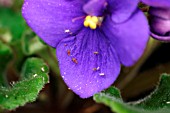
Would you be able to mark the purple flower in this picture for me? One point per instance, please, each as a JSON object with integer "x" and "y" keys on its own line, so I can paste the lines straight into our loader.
{"x": 92, "y": 38}
{"x": 159, "y": 19}
{"x": 160, "y": 23}
{"x": 157, "y": 3}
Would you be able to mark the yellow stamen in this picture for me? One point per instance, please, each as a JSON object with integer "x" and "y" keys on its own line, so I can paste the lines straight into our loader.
{"x": 86, "y": 23}
{"x": 91, "y": 21}
{"x": 93, "y": 25}
{"x": 94, "y": 19}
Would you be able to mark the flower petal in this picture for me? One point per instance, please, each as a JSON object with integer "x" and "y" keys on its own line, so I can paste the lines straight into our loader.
{"x": 161, "y": 38}
{"x": 157, "y": 3}
{"x": 53, "y": 20}
{"x": 160, "y": 23}
{"x": 163, "y": 13}
{"x": 95, "y": 7}
{"x": 122, "y": 9}
{"x": 129, "y": 38}
{"x": 88, "y": 62}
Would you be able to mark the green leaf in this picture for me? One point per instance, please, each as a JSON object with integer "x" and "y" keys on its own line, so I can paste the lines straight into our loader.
{"x": 13, "y": 21}
{"x": 31, "y": 44}
{"x": 156, "y": 102}
{"x": 160, "y": 97}
{"x": 34, "y": 77}
{"x": 5, "y": 58}
{"x": 35, "y": 67}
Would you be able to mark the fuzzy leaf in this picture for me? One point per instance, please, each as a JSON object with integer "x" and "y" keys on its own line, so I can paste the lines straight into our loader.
{"x": 156, "y": 102}
{"x": 34, "y": 77}
{"x": 13, "y": 21}
{"x": 31, "y": 44}
{"x": 5, "y": 58}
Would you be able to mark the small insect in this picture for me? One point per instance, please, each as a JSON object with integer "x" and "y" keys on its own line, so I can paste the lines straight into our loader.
{"x": 75, "y": 60}
{"x": 96, "y": 52}
{"x": 68, "y": 52}
{"x": 94, "y": 69}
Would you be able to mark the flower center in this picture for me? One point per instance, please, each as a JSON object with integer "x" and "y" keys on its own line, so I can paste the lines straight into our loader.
{"x": 92, "y": 21}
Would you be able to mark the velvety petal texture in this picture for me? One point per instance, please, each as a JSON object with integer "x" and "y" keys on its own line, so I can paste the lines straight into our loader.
{"x": 129, "y": 38}
{"x": 163, "y": 13}
{"x": 157, "y": 3}
{"x": 160, "y": 23}
{"x": 121, "y": 10}
{"x": 53, "y": 20}
{"x": 88, "y": 62}
{"x": 89, "y": 49}
{"x": 95, "y": 7}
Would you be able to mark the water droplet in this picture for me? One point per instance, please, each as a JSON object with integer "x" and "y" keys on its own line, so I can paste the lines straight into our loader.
{"x": 42, "y": 69}
{"x": 64, "y": 73}
{"x": 168, "y": 102}
{"x": 67, "y": 31}
{"x": 12, "y": 83}
{"x": 101, "y": 74}
{"x": 6, "y": 96}
{"x": 34, "y": 75}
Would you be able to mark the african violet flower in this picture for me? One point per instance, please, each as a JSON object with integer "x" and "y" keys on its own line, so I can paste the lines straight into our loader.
{"x": 92, "y": 38}
{"x": 159, "y": 19}
{"x": 157, "y": 3}
{"x": 160, "y": 23}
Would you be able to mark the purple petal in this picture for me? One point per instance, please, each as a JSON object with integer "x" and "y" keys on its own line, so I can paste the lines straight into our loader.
{"x": 162, "y": 38}
{"x": 129, "y": 38}
{"x": 122, "y": 9}
{"x": 53, "y": 20}
{"x": 160, "y": 23}
{"x": 95, "y": 7}
{"x": 88, "y": 62}
{"x": 157, "y": 3}
{"x": 163, "y": 13}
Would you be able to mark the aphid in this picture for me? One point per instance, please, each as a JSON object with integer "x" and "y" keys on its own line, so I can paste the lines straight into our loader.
{"x": 68, "y": 52}
{"x": 94, "y": 69}
{"x": 74, "y": 60}
{"x": 96, "y": 52}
